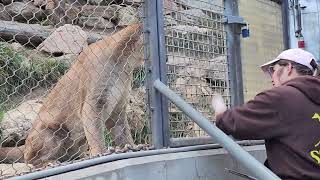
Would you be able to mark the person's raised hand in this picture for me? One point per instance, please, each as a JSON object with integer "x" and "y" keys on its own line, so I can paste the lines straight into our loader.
{"x": 218, "y": 104}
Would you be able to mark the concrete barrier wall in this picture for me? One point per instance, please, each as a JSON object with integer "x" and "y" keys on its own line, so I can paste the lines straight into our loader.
{"x": 194, "y": 165}
{"x": 264, "y": 44}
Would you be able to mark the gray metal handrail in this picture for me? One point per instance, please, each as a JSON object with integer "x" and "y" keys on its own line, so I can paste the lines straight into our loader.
{"x": 253, "y": 165}
{"x": 116, "y": 157}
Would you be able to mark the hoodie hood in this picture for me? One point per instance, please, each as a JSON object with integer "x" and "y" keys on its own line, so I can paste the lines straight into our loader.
{"x": 308, "y": 85}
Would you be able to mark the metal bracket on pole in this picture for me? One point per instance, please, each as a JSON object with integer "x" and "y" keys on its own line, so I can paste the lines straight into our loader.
{"x": 237, "y": 21}
{"x": 234, "y": 20}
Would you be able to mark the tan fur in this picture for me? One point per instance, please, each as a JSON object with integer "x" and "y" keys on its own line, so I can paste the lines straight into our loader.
{"x": 92, "y": 95}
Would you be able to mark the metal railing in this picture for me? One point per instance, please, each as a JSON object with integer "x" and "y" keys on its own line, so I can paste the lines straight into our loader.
{"x": 253, "y": 165}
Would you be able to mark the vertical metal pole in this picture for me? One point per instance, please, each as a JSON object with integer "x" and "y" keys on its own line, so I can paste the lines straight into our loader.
{"x": 163, "y": 73}
{"x": 234, "y": 54}
{"x": 285, "y": 23}
{"x": 156, "y": 69}
{"x": 297, "y": 8}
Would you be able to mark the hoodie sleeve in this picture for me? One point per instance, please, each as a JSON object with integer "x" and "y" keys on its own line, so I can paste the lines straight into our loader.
{"x": 257, "y": 119}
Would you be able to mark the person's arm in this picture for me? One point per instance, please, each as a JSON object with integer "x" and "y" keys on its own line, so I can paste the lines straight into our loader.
{"x": 257, "y": 119}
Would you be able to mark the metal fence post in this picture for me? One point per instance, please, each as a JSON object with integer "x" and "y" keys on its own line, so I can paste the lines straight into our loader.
{"x": 285, "y": 23}
{"x": 234, "y": 54}
{"x": 156, "y": 69}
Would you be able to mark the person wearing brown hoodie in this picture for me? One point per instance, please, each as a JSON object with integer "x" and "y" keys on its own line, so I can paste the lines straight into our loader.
{"x": 287, "y": 116}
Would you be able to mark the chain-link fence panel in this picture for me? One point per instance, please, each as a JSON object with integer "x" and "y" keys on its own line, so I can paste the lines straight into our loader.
{"x": 71, "y": 82}
{"x": 197, "y": 65}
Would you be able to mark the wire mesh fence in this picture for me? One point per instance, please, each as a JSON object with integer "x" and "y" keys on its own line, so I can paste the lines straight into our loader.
{"x": 72, "y": 77}
{"x": 71, "y": 82}
{"x": 196, "y": 59}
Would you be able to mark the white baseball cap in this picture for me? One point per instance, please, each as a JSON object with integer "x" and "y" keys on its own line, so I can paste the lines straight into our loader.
{"x": 297, "y": 55}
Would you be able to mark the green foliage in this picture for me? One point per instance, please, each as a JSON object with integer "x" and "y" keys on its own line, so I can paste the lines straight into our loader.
{"x": 108, "y": 138}
{"x": 142, "y": 136}
{"x": 1, "y": 116}
{"x": 12, "y": 71}
{"x": 19, "y": 73}
{"x": 139, "y": 76}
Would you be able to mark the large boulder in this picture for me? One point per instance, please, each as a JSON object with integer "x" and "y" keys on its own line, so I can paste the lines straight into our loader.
{"x": 17, "y": 122}
{"x": 96, "y": 23}
{"x": 107, "y": 12}
{"x": 23, "y": 12}
{"x": 9, "y": 170}
{"x": 128, "y": 15}
{"x": 71, "y": 15}
{"x": 4, "y": 15}
{"x": 101, "y": 2}
{"x": 133, "y": 1}
{"x": 67, "y": 39}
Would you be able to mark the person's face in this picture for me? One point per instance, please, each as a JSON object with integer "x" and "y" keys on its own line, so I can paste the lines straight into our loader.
{"x": 279, "y": 73}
